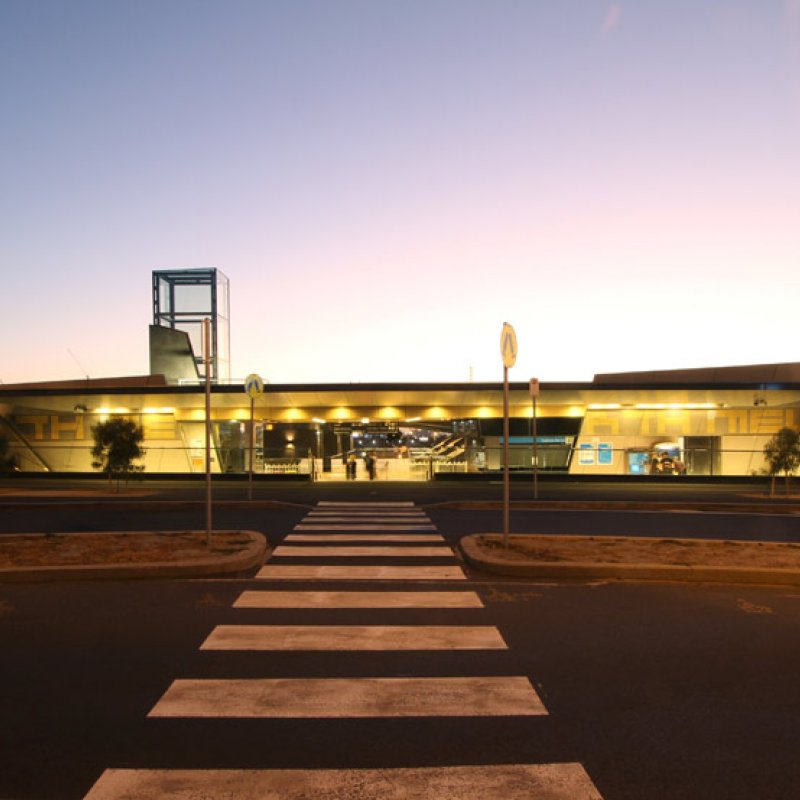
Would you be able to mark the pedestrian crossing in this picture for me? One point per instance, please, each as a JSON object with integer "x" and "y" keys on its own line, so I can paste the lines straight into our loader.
{"x": 353, "y": 637}
{"x": 332, "y": 560}
{"x": 487, "y": 782}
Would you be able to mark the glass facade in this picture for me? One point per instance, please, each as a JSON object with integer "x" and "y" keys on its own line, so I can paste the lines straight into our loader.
{"x": 183, "y": 300}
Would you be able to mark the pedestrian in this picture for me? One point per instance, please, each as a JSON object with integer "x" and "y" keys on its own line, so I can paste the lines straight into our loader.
{"x": 352, "y": 466}
{"x": 370, "y": 461}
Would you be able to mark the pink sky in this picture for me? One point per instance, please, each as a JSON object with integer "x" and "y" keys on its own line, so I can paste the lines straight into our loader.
{"x": 386, "y": 183}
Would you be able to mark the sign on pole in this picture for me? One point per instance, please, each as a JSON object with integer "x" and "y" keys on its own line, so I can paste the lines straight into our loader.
{"x": 534, "y": 387}
{"x": 508, "y": 346}
{"x": 253, "y": 386}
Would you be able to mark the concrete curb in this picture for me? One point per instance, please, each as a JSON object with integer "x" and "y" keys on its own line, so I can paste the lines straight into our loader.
{"x": 253, "y": 555}
{"x": 131, "y": 504}
{"x": 743, "y": 507}
{"x": 625, "y": 572}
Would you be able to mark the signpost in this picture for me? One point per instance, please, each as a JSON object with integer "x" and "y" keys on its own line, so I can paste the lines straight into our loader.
{"x": 207, "y": 368}
{"x": 253, "y": 387}
{"x": 508, "y": 350}
{"x": 534, "y": 390}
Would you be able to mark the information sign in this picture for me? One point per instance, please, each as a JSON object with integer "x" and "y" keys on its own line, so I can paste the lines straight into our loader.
{"x": 253, "y": 385}
{"x": 508, "y": 345}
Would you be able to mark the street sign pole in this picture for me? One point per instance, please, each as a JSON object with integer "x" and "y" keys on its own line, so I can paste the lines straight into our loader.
{"x": 253, "y": 387}
{"x": 506, "y": 474}
{"x": 508, "y": 350}
{"x": 535, "y": 455}
{"x": 534, "y": 389}
{"x": 207, "y": 367}
{"x": 252, "y": 447}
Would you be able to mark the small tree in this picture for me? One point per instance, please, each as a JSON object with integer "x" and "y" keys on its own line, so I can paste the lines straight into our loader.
{"x": 116, "y": 446}
{"x": 8, "y": 461}
{"x": 782, "y": 452}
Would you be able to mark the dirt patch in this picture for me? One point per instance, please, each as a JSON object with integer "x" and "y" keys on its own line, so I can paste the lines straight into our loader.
{"x": 538, "y": 549}
{"x": 58, "y": 550}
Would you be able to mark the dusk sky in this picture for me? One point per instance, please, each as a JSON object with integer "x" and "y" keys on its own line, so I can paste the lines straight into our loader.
{"x": 385, "y": 183}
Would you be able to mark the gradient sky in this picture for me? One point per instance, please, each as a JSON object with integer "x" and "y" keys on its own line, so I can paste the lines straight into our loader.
{"x": 385, "y": 183}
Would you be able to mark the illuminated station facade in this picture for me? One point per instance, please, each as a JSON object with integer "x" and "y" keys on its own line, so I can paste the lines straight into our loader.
{"x": 695, "y": 422}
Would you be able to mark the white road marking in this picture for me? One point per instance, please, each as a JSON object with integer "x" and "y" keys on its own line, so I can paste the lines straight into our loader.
{"x": 354, "y": 512}
{"x": 364, "y": 537}
{"x": 354, "y": 637}
{"x": 340, "y": 551}
{"x": 366, "y": 504}
{"x": 350, "y": 697}
{"x": 507, "y": 781}
{"x": 292, "y": 599}
{"x": 362, "y": 519}
{"x": 362, "y": 526}
{"x": 356, "y": 573}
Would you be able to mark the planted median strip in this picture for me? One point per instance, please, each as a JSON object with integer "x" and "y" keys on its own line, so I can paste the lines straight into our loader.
{"x": 630, "y": 558}
{"x": 41, "y": 556}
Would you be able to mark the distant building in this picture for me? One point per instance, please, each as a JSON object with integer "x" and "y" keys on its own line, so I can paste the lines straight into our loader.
{"x": 682, "y": 422}
{"x": 702, "y": 422}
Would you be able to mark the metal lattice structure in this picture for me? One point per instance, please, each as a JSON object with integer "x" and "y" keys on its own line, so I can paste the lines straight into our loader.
{"x": 183, "y": 298}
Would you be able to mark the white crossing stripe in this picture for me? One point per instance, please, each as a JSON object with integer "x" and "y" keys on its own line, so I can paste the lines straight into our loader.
{"x": 340, "y": 551}
{"x": 358, "y": 573}
{"x": 383, "y": 510}
{"x": 366, "y": 504}
{"x": 508, "y": 781}
{"x": 567, "y": 781}
{"x": 364, "y": 537}
{"x": 364, "y": 518}
{"x": 354, "y": 637}
{"x": 362, "y": 526}
{"x": 294, "y": 599}
{"x": 350, "y": 697}
{"x": 354, "y": 512}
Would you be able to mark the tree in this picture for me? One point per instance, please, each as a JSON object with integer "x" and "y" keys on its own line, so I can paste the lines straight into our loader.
{"x": 116, "y": 446}
{"x": 782, "y": 452}
{"x": 8, "y": 461}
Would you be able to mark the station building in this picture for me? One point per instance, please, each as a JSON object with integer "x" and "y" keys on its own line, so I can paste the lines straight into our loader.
{"x": 704, "y": 422}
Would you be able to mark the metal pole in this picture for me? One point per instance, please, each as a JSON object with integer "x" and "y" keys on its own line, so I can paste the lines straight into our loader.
{"x": 535, "y": 455}
{"x": 207, "y": 367}
{"x": 506, "y": 479}
{"x": 252, "y": 445}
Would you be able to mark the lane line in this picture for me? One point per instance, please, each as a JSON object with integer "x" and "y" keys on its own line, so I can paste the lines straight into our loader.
{"x": 357, "y": 573}
{"x": 567, "y": 781}
{"x": 341, "y": 551}
{"x": 354, "y": 637}
{"x": 310, "y": 599}
{"x": 350, "y": 697}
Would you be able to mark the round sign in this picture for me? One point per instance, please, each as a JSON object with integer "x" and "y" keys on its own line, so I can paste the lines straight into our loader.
{"x": 253, "y": 385}
{"x": 508, "y": 345}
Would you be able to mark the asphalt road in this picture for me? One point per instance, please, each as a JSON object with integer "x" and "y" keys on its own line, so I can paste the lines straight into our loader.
{"x": 657, "y": 690}
{"x": 275, "y": 522}
{"x": 660, "y": 691}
